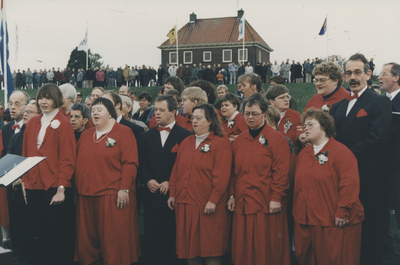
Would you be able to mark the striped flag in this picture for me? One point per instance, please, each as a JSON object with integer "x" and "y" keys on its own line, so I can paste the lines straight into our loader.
{"x": 324, "y": 27}
{"x": 4, "y": 57}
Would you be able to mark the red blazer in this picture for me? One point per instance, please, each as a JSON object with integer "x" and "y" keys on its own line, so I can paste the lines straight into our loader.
{"x": 294, "y": 118}
{"x": 104, "y": 170}
{"x": 199, "y": 177}
{"x": 322, "y": 192}
{"x": 260, "y": 172}
{"x": 238, "y": 127}
{"x": 64, "y": 113}
{"x": 59, "y": 148}
{"x": 317, "y": 101}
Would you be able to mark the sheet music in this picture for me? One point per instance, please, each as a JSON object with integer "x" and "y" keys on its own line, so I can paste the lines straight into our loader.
{"x": 20, "y": 170}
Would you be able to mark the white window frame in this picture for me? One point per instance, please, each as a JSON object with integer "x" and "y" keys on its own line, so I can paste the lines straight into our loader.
{"x": 170, "y": 55}
{"x": 245, "y": 55}
{"x": 184, "y": 57}
{"x": 223, "y": 56}
{"x": 204, "y": 56}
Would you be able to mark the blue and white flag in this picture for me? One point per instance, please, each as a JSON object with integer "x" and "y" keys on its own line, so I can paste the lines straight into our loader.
{"x": 4, "y": 35}
{"x": 241, "y": 28}
{"x": 83, "y": 45}
{"x": 324, "y": 27}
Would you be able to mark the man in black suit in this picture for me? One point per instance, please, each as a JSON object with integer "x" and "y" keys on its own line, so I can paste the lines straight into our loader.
{"x": 17, "y": 209}
{"x": 389, "y": 79}
{"x": 157, "y": 153}
{"x": 117, "y": 101}
{"x": 363, "y": 122}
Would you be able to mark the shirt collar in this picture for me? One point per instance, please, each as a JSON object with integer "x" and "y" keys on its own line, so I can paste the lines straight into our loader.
{"x": 233, "y": 116}
{"x": 394, "y": 93}
{"x": 119, "y": 118}
{"x": 359, "y": 93}
{"x": 331, "y": 94}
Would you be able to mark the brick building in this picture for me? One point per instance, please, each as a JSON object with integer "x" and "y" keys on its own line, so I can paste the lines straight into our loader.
{"x": 213, "y": 41}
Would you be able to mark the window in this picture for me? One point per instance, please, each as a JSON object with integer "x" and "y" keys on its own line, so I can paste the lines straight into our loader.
{"x": 206, "y": 56}
{"x": 187, "y": 57}
{"x": 226, "y": 56}
{"x": 172, "y": 58}
{"x": 240, "y": 55}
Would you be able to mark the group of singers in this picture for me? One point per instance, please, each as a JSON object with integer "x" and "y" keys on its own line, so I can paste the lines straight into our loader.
{"x": 210, "y": 181}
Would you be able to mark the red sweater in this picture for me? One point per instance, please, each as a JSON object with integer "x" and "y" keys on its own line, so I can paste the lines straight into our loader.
{"x": 238, "y": 127}
{"x": 104, "y": 170}
{"x": 323, "y": 192}
{"x": 292, "y": 119}
{"x": 317, "y": 101}
{"x": 199, "y": 177}
{"x": 260, "y": 172}
{"x": 59, "y": 148}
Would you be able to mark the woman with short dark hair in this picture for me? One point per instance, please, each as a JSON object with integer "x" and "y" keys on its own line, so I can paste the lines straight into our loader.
{"x": 258, "y": 190}
{"x": 233, "y": 122}
{"x": 48, "y": 186}
{"x": 198, "y": 190}
{"x": 107, "y": 224}
{"x": 326, "y": 208}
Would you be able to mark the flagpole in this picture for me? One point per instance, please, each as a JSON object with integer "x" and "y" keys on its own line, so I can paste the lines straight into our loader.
{"x": 5, "y": 74}
{"x": 327, "y": 38}
{"x": 177, "y": 52}
{"x": 87, "y": 46}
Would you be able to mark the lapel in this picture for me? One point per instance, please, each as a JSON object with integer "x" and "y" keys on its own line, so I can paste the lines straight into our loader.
{"x": 169, "y": 143}
{"x": 348, "y": 121}
{"x": 396, "y": 103}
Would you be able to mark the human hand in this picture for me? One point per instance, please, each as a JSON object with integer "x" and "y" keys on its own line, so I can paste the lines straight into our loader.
{"x": 340, "y": 222}
{"x": 303, "y": 140}
{"x": 210, "y": 208}
{"x": 24, "y": 193}
{"x": 233, "y": 137}
{"x": 58, "y": 198}
{"x": 16, "y": 184}
{"x": 122, "y": 199}
{"x": 164, "y": 187}
{"x": 153, "y": 185}
{"x": 231, "y": 204}
{"x": 275, "y": 207}
{"x": 171, "y": 203}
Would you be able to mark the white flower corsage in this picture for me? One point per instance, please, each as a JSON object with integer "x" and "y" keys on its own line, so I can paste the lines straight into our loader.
{"x": 287, "y": 125}
{"x": 263, "y": 140}
{"x": 323, "y": 157}
{"x": 325, "y": 107}
{"x": 205, "y": 148}
{"x": 110, "y": 142}
{"x": 55, "y": 124}
{"x": 232, "y": 124}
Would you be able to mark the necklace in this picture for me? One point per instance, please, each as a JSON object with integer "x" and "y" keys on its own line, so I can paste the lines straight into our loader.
{"x": 101, "y": 138}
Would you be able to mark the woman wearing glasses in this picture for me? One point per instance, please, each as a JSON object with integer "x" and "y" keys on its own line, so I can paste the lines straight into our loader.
{"x": 199, "y": 190}
{"x": 326, "y": 207}
{"x": 328, "y": 80}
{"x": 258, "y": 190}
{"x": 289, "y": 124}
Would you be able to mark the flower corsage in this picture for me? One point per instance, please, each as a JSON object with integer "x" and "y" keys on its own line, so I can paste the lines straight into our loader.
{"x": 263, "y": 140}
{"x": 287, "y": 125}
{"x": 110, "y": 142}
{"x": 325, "y": 107}
{"x": 231, "y": 125}
{"x": 205, "y": 148}
{"x": 323, "y": 157}
{"x": 55, "y": 124}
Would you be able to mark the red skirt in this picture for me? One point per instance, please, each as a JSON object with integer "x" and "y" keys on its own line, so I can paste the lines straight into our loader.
{"x": 260, "y": 238}
{"x": 200, "y": 234}
{"x": 327, "y": 245}
{"x": 4, "y": 220}
{"x": 105, "y": 231}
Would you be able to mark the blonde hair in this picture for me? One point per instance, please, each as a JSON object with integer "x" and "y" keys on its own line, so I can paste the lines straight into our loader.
{"x": 195, "y": 93}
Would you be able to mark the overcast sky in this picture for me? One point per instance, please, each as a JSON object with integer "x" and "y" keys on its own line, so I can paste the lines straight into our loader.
{"x": 129, "y": 31}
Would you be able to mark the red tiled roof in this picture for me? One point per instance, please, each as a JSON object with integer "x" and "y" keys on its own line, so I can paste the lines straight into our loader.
{"x": 214, "y": 31}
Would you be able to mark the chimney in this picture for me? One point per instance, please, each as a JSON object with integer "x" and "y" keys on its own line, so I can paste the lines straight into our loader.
{"x": 193, "y": 18}
{"x": 240, "y": 13}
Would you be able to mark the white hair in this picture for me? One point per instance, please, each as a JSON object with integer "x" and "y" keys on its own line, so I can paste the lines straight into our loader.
{"x": 69, "y": 91}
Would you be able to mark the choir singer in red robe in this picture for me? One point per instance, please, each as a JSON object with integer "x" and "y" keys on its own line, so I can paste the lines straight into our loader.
{"x": 199, "y": 190}
{"x": 107, "y": 223}
{"x": 326, "y": 208}
{"x": 258, "y": 190}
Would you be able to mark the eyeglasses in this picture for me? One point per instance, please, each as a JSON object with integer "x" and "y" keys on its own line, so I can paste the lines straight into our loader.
{"x": 29, "y": 112}
{"x": 322, "y": 81}
{"x": 308, "y": 125}
{"x": 254, "y": 114}
{"x": 385, "y": 74}
{"x": 196, "y": 118}
{"x": 16, "y": 104}
{"x": 357, "y": 72}
{"x": 283, "y": 97}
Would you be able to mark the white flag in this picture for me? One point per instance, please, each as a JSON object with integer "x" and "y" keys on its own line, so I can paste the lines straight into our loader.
{"x": 241, "y": 28}
{"x": 83, "y": 45}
